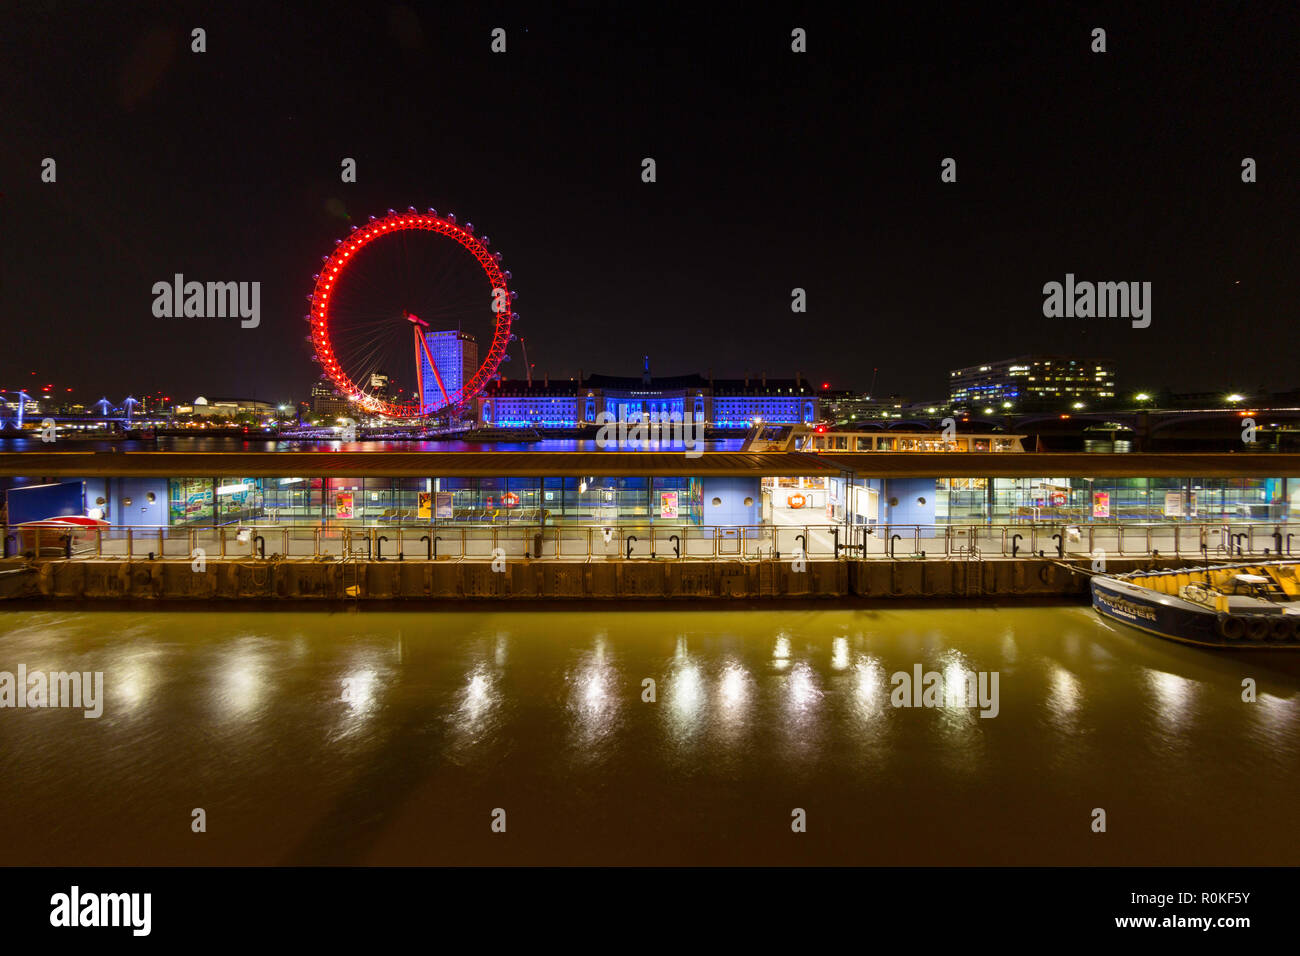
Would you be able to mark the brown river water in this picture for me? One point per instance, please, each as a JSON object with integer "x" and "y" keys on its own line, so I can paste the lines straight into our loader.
{"x": 376, "y": 736}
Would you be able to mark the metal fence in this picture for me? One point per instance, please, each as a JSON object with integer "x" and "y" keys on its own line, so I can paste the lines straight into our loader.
{"x": 661, "y": 541}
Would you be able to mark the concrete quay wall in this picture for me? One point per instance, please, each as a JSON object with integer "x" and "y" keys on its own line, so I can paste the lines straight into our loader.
{"x": 547, "y": 580}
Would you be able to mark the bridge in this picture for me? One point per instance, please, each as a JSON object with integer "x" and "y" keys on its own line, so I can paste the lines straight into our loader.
{"x": 109, "y": 414}
{"x": 1144, "y": 424}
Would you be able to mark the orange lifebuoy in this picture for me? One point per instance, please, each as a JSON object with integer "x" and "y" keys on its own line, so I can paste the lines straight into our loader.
{"x": 796, "y": 501}
{"x": 509, "y": 499}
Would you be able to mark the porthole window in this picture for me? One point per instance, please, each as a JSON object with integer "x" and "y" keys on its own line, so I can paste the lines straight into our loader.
{"x": 920, "y": 501}
{"x": 126, "y": 502}
{"x": 749, "y": 502}
{"x": 893, "y": 502}
{"x": 99, "y": 501}
{"x": 151, "y": 497}
{"x": 716, "y": 502}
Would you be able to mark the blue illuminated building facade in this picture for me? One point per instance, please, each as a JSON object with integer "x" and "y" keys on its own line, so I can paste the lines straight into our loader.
{"x": 456, "y": 354}
{"x": 720, "y": 403}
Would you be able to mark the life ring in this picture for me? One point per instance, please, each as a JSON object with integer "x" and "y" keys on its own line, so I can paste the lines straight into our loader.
{"x": 796, "y": 501}
{"x": 509, "y": 499}
{"x": 1258, "y": 629}
{"x": 1230, "y": 627}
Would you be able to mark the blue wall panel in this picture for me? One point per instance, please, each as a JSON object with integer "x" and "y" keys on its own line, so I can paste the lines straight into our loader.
{"x": 732, "y": 492}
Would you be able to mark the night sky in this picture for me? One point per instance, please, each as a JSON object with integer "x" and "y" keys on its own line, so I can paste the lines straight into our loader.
{"x": 775, "y": 170}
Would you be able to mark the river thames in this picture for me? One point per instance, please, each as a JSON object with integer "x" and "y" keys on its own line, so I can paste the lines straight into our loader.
{"x": 311, "y": 736}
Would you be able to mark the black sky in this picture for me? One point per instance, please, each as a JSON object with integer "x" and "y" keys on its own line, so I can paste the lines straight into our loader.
{"x": 775, "y": 170}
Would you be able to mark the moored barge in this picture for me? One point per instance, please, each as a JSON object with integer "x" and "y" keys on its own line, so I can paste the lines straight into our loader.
{"x": 1234, "y": 605}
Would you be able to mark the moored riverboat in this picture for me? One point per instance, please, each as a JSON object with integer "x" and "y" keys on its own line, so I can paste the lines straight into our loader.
{"x": 1253, "y": 605}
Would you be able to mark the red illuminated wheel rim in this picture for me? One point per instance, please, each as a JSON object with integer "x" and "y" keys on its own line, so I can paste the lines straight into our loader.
{"x": 333, "y": 278}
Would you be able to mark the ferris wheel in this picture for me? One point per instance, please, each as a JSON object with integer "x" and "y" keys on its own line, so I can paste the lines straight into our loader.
{"x": 411, "y": 314}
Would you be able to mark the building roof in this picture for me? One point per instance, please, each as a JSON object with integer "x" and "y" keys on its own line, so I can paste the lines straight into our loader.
{"x": 492, "y": 464}
{"x": 488, "y": 464}
{"x": 786, "y": 387}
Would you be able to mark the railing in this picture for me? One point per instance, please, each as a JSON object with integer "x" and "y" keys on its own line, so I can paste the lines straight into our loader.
{"x": 1217, "y": 541}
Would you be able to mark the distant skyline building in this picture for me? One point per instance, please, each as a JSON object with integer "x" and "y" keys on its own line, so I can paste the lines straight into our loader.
{"x": 456, "y": 355}
{"x": 854, "y": 408}
{"x": 327, "y": 403}
{"x": 1032, "y": 379}
{"x": 381, "y": 386}
{"x": 203, "y": 407}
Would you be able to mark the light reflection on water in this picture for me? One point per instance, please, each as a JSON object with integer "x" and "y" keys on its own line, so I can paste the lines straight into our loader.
{"x": 377, "y": 736}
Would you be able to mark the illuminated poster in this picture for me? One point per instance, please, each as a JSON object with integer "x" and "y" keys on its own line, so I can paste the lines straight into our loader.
{"x": 191, "y": 500}
{"x": 426, "y": 505}
{"x": 1173, "y": 504}
{"x": 443, "y": 505}
{"x": 668, "y": 504}
{"x": 343, "y": 504}
{"x": 1101, "y": 504}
